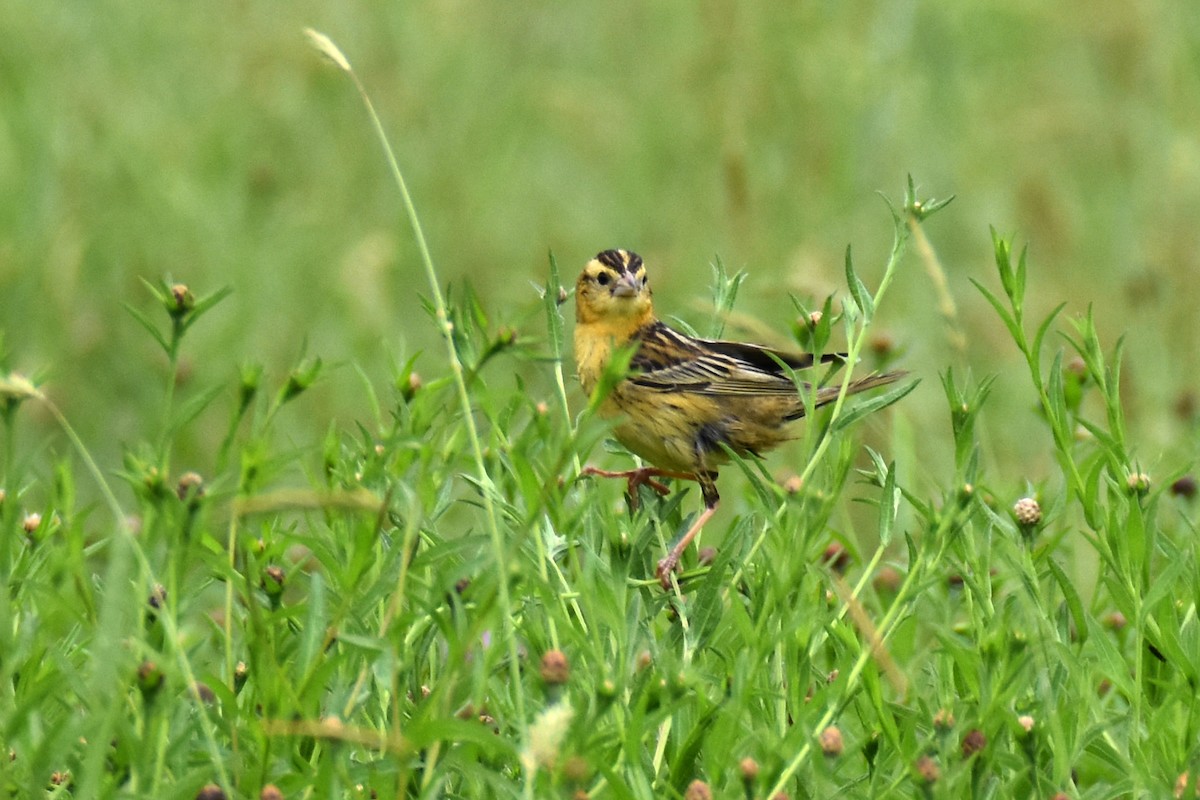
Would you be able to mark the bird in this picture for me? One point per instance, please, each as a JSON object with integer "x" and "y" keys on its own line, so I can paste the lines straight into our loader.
{"x": 683, "y": 400}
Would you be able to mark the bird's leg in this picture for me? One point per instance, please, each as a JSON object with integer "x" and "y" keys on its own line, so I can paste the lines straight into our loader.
{"x": 669, "y": 564}
{"x": 637, "y": 477}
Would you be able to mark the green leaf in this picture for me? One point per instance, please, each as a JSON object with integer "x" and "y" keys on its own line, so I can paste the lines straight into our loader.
{"x": 724, "y": 291}
{"x": 889, "y": 504}
{"x": 1035, "y": 351}
{"x": 683, "y": 768}
{"x": 862, "y": 298}
{"x": 149, "y": 326}
{"x": 193, "y": 407}
{"x": 870, "y": 406}
{"x": 1111, "y": 663}
{"x": 1056, "y": 398}
{"x": 315, "y": 625}
{"x": 554, "y": 319}
{"x": 206, "y": 304}
{"x": 1003, "y": 255}
{"x": 1014, "y": 330}
{"x": 1074, "y": 604}
{"x": 760, "y": 488}
{"x": 1019, "y": 283}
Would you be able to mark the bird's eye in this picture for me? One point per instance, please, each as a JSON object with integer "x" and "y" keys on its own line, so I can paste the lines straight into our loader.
{"x": 603, "y": 279}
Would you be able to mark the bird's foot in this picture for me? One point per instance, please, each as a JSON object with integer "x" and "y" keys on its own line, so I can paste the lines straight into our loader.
{"x": 638, "y": 477}
{"x": 666, "y": 567}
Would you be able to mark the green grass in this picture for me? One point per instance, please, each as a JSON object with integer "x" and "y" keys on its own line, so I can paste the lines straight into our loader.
{"x": 445, "y": 609}
{"x": 242, "y": 543}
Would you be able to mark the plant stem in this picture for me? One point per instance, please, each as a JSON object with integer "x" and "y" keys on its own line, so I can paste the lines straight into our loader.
{"x": 487, "y": 487}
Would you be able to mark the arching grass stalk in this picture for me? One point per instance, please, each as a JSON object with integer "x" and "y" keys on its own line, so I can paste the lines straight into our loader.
{"x": 326, "y": 46}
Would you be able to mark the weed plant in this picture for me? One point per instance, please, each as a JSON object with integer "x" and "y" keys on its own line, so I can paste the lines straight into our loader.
{"x": 444, "y": 609}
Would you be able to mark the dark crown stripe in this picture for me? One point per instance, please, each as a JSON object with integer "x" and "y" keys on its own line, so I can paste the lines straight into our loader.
{"x": 620, "y": 260}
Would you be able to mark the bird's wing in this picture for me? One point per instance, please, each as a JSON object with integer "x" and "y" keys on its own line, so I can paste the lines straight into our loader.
{"x": 667, "y": 360}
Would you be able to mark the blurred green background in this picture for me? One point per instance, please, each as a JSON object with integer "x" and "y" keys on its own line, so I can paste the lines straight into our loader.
{"x": 210, "y": 143}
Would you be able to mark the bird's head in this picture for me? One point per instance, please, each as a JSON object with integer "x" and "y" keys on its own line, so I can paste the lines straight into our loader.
{"x": 613, "y": 287}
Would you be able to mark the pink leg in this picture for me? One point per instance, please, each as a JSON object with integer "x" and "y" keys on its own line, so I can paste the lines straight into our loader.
{"x": 669, "y": 564}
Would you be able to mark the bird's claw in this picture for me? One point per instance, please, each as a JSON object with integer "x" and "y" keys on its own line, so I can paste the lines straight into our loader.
{"x": 639, "y": 477}
{"x": 665, "y": 569}
{"x": 635, "y": 478}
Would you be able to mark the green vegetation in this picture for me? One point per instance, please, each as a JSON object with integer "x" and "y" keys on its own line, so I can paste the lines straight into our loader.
{"x": 245, "y": 545}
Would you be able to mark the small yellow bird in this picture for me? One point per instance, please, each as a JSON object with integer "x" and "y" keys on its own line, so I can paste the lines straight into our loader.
{"x": 683, "y": 397}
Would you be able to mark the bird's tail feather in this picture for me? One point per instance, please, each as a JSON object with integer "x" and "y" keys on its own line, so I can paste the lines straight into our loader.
{"x": 827, "y": 394}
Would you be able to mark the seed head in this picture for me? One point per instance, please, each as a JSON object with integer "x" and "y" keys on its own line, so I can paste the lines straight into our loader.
{"x": 883, "y": 346}
{"x": 546, "y": 735}
{"x": 210, "y": 792}
{"x": 831, "y": 741}
{"x": 1185, "y": 406}
{"x": 943, "y": 720}
{"x": 1184, "y": 487}
{"x": 1138, "y": 483}
{"x": 836, "y": 557}
{"x": 814, "y": 319}
{"x": 190, "y": 488}
{"x": 555, "y": 668}
{"x": 576, "y": 769}
{"x": 887, "y": 579}
{"x": 149, "y": 679}
{"x": 1028, "y": 512}
{"x": 15, "y": 389}
{"x": 158, "y": 596}
{"x": 270, "y": 792}
{"x": 32, "y": 522}
{"x": 698, "y": 790}
{"x": 249, "y": 377}
{"x": 182, "y": 300}
{"x": 272, "y": 583}
{"x": 410, "y": 386}
{"x": 1026, "y": 723}
{"x": 749, "y": 769}
{"x": 928, "y": 769}
{"x": 300, "y": 379}
{"x": 973, "y": 742}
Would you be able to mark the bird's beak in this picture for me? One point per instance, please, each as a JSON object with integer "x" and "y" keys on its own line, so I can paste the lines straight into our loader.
{"x": 627, "y": 286}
